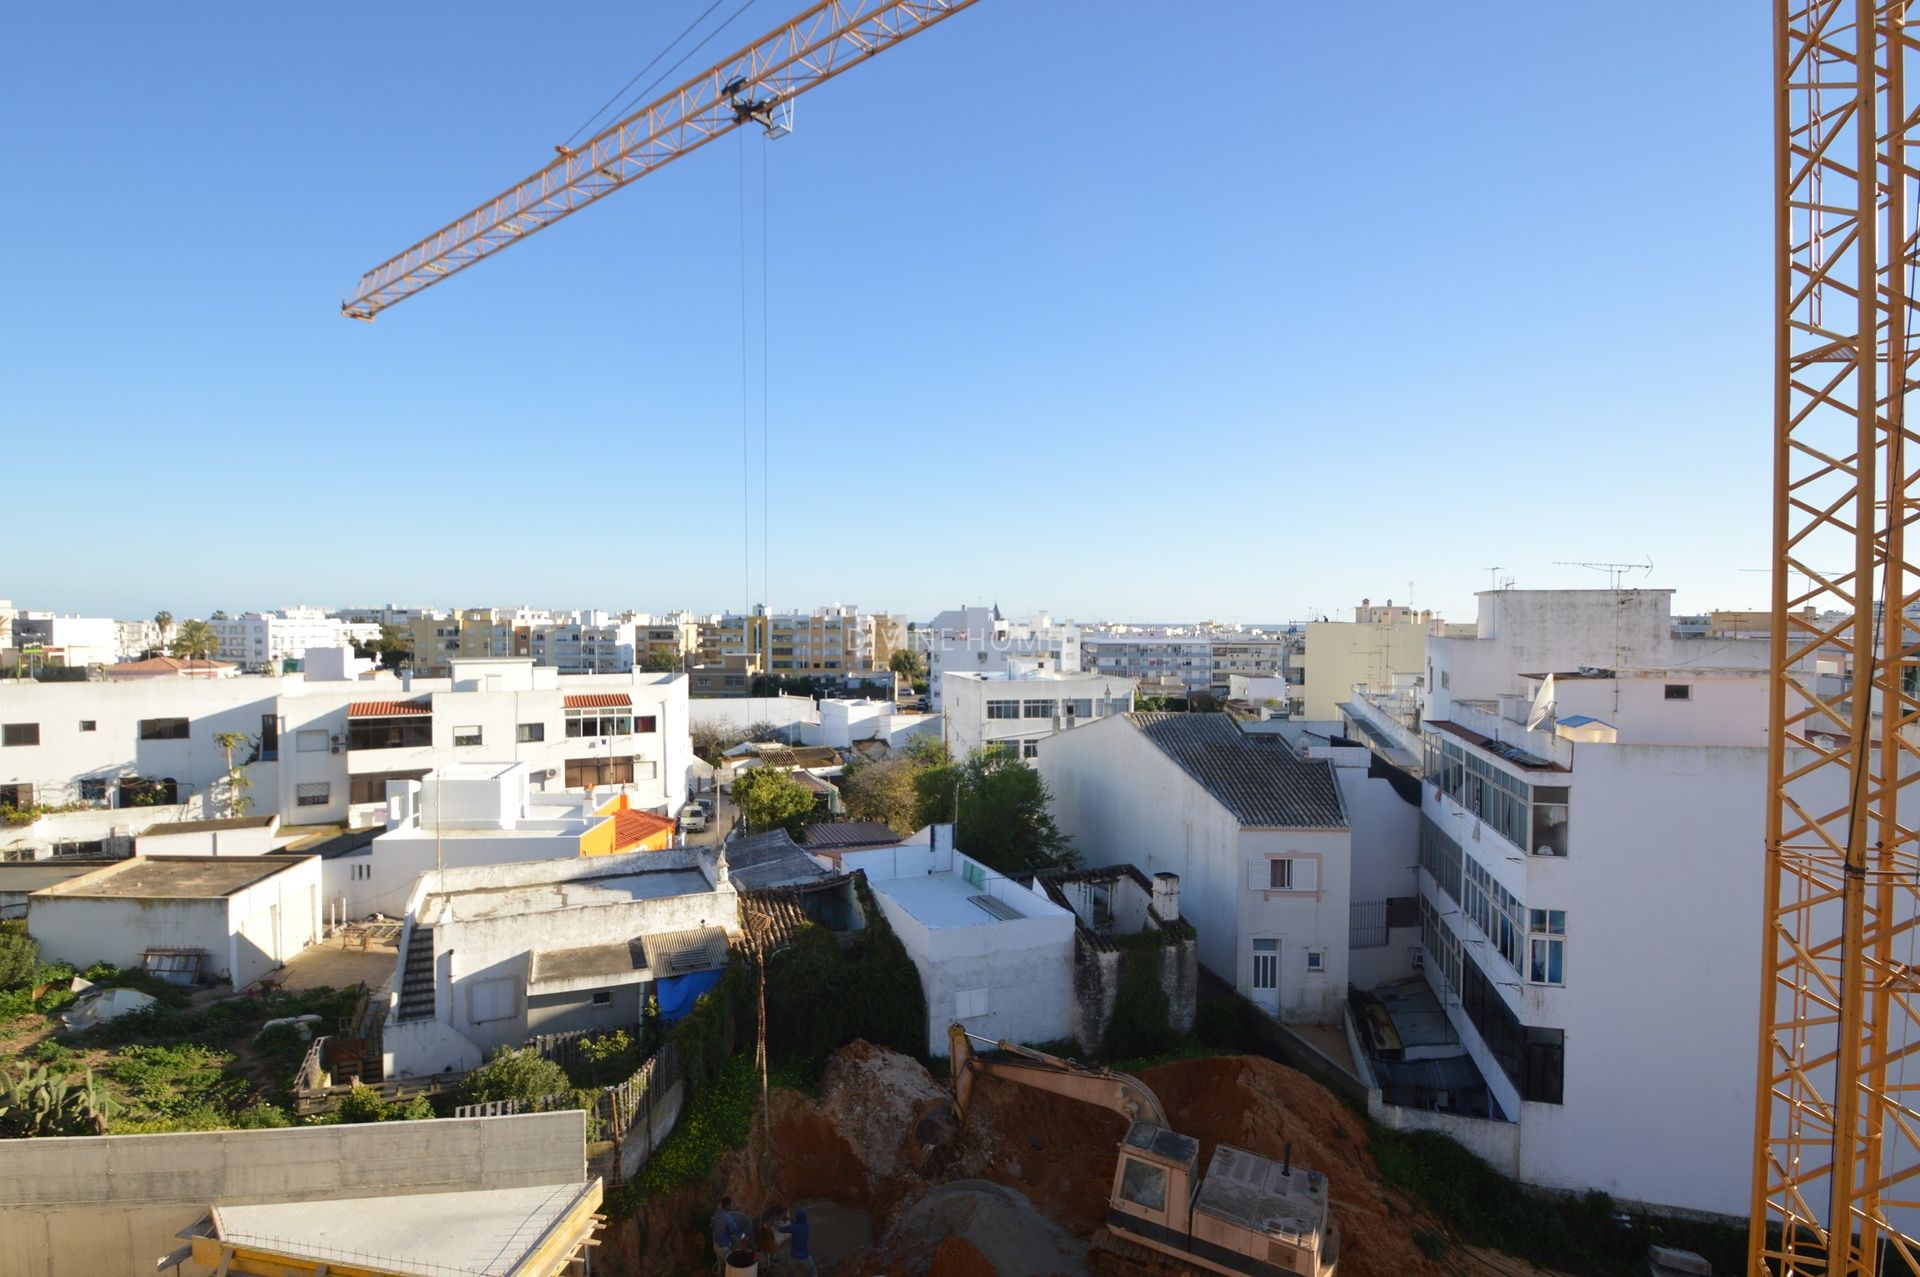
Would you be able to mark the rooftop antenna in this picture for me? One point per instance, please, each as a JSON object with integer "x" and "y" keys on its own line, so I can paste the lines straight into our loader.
{"x": 1614, "y": 571}
{"x": 1493, "y": 577}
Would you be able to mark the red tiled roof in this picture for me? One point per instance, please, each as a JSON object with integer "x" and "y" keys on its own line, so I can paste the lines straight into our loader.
{"x": 386, "y": 709}
{"x": 168, "y": 664}
{"x": 600, "y": 700}
{"x": 630, "y": 828}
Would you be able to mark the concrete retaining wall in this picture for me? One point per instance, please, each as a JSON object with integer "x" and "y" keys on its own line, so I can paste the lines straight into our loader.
{"x": 112, "y": 1204}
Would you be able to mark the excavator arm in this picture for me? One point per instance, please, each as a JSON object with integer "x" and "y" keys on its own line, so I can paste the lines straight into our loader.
{"x": 1124, "y": 1094}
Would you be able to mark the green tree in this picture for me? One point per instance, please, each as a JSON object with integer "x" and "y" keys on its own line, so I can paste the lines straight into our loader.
{"x": 523, "y": 1074}
{"x": 882, "y": 791}
{"x": 998, "y": 806}
{"x": 219, "y": 614}
{"x": 195, "y": 639}
{"x": 661, "y": 661}
{"x": 236, "y": 783}
{"x": 1144, "y": 704}
{"x": 163, "y": 619}
{"x": 772, "y": 799}
{"x": 910, "y": 663}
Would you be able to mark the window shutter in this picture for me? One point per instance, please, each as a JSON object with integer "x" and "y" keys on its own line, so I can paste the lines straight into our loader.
{"x": 1257, "y": 875}
{"x": 1306, "y": 874}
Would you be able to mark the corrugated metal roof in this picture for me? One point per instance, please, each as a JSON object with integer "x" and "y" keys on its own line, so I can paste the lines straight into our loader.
{"x": 848, "y": 833}
{"x": 599, "y": 700}
{"x": 1257, "y": 778}
{"x": 671, "y": 953}
{"x": 387, "y": 709}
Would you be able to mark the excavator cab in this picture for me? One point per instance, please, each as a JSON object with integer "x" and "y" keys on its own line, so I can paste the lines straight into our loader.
{"x": 1153, "y": 1183}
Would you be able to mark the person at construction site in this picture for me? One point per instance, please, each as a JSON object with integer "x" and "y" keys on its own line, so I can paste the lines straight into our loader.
{"x": 730, "y": 1229}
{"x": 799, "y": 1233}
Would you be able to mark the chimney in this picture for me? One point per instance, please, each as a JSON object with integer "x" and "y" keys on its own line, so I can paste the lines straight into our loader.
{"x": 1166, "y": 896}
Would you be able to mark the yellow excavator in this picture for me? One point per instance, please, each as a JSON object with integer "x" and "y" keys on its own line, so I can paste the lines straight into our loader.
{"x": 1248, "y": 1214}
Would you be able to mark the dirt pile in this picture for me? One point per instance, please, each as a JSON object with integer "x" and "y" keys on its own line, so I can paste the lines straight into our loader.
{"x": 873, "y": 1097}
{"x": 958, "y": 1257}
{"x": 998, "y": 1224}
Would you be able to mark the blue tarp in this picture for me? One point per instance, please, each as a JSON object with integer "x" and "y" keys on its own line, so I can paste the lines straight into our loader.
{"x": 678, "y": 993}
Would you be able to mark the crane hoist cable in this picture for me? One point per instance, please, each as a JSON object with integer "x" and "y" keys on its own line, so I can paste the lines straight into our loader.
{"x": 655, "y": 61}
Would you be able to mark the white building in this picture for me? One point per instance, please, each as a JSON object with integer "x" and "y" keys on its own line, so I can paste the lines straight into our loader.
{"x": 244, "y": 915}
{"x": 979, "y": 640}
{"x": 1021, "y": 706}
{"x": 1591, "y": 891}
{"x": 1379, "y": 644}
{"x": 459, "y": 816}
{"x": 992, "y": 955}
{"x": 491, "y": 954}
{"x": 265, "y": 640}
{"x": 1259, "y": 837}
{"x": 78, "y": 640}
{"x": 321, "y": 749}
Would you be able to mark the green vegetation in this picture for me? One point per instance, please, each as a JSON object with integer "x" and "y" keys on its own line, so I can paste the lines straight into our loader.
{"x": 887, "y": 791}
{"x": 234, "y": 798}
{"x": 608, "y": 1059}
{"x": 718, "y": 1120}
{"x": 1141, "y": 1021}
{"x": 912, "y": 665}
{"x": 876, "y": 996}
{"x": 363, "y": 1104}
{"x": 661, "y": 661}
{"x": 514, "y": 1074}
{"x": 772, "y": 799}
{"x": 998, "y": 806}
{"x": 1587, "y": 1233}
{"x": 39, "y": 1102}
{"x": 193, "y": 640}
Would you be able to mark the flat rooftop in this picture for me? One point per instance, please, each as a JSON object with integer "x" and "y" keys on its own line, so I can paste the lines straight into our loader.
{"x": 173, "y": 878}
{"x": 944, "y": 900}
{"x": 32, "y": 875}
{"x": 576, "y": 893}
{"x": 206, "y": 826}
{"x": 483, "y": 1233}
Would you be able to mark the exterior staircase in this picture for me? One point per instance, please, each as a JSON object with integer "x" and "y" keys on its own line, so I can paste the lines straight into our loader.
{"x": 416, "y": 976}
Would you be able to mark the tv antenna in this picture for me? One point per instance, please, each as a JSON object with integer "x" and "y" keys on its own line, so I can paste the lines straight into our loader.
{"x": 1615, "y": 571}
{"x": 1497, "y": 582}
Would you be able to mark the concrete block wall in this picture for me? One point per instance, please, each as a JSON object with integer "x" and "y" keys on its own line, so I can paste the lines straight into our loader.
{"x": 112, "y": 1204}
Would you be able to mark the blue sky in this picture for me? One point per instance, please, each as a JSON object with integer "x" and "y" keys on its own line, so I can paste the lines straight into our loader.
{"x": 1118, "y": 309}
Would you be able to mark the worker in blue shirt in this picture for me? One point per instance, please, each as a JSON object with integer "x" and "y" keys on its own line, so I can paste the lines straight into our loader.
{"x": 799, "y": 1232}
{"x": 730, "y": 1229}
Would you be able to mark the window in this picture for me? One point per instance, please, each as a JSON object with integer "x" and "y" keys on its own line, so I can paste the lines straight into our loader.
{"x": 1316, "y": 961}
{"x": 1036, "y": 709}
{"x": 93, "y": 789}
{"x": 400, "y": 731}
{"x": 968, "y": 1003}
{"x": 1549, "y": 821}
{"x": 88, "y": 725}
{"x": 1003, "y": 709}
{"x": 1446, "y": 678}
{"x": 361, "y": 873}
{"x": 529, "y": 733}
{"x": 269, "y": 747}
{"x": 1080, "y": 709}
{"x": 1547, "y": 946}
{"x": 643, "y": 724}
{"x": 1284, "y": 873}
{"x": 312, "y": 794}
{"x": 1544, "y": 1081}
{"x": 18, "y": 797}
{"x": 163, "y": 729}
{"x": 466, "y": 736}
{"x": 600, "y": 722}
{"x": 603, "y": 998}
{"x": 582, "y": 772}
{"x": 20, "y": 734}
{"x": 310, "y": 742}
{"x": 1144, "y": 1184}
{"x": 1679, "y": 691}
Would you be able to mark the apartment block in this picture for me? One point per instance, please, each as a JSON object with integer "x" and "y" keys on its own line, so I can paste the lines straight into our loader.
{"x": 1020, "y": 707}
{"x": 979, "y": 640}
{"x": 266, "y": 640}
{"x": 828, "y": 642}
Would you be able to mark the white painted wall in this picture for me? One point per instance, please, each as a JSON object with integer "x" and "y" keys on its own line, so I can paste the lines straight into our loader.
{"x": 1385, "y": 860}
{"x": 1123, "y": 801}
{"x": 965, "y": 697}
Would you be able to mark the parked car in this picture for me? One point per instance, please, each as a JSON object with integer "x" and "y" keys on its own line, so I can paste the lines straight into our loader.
{"x": 693, "y": 818}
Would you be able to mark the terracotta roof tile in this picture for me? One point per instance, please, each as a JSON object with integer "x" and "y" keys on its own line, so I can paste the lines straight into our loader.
{"x": 600, "y": 700}
{"x": 630, "y": 828}
{"x": 387, "y": 709}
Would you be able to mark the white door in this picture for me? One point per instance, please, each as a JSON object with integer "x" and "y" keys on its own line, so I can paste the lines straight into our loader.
{"x": 1266, "y": 975}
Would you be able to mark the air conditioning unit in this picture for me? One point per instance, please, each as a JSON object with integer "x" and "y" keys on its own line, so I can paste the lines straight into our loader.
{"x": 550, "y": 773}
{"x": 335, "y": 747}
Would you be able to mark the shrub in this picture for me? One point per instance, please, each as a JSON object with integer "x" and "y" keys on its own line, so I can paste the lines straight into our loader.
{"x": 261, "y": 1116}
{"x": 19, "y": 955}
{"x": 1140, "y": 1022}
{"x": 362, "y": 1104}
{"x": 718, "y": 1120}
{"x": 514, "y": 1074}
{"x": 1216, "y": 1022}
{"x": 606, "y": 1059}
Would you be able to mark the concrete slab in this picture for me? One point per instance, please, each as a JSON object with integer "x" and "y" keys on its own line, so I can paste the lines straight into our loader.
{"x": 184, "y": 878}
{"x": 328, "y": 966}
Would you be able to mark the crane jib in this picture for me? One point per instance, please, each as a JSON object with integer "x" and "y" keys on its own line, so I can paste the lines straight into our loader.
{"x": 801, "y": 53}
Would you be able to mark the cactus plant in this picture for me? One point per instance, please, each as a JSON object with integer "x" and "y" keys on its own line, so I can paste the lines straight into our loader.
{"x": 40, "y": 1102}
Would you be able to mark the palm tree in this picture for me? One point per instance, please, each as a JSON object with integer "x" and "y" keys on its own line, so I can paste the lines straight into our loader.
{"x": 237, "y": 780}
{"x": 195, "y": 639}
{"x": 163, "y": 619}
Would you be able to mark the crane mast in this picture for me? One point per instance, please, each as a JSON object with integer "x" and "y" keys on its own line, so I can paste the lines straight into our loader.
{"x": 747, "y": 87}
{"x": 1836, "y": 1156}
